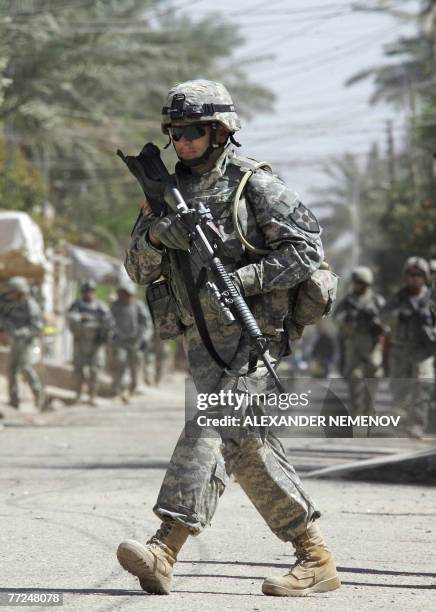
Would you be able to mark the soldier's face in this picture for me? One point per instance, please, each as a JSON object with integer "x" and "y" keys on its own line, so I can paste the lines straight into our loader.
{"x": 358, "y": 287}
{"x": 191, "y": 149}
{"x": 415, "y": 280}
{"x": 124, "y": 296}
{"x": 88, "y": 295}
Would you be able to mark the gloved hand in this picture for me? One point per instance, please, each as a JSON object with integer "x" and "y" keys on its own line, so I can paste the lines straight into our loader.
{"x": 171, "y": 232}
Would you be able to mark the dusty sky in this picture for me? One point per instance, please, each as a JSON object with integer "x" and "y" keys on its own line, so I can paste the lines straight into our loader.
{"x": 317, "y": 44}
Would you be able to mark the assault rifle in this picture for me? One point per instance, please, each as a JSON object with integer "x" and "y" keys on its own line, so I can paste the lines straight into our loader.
{"x": 159, "y": 187}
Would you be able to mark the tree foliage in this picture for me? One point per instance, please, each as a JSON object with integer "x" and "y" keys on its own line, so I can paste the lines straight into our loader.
{"x": 80, "y": 79}
{"x": 396, "y": 194}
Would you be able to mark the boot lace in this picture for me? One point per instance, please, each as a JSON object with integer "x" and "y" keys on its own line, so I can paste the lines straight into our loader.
{"x": 301, "y": 555}
{"x": 162, "y": 533}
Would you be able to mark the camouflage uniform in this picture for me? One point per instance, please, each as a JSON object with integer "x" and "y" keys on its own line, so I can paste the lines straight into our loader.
{"x": 360, "y": 330}
{"x": 200, "y": 464}
{"x": 270, "y": 216}
{"x": 411, "y": 356}
{"x": 90, "y": 323}
{"x": 22, "y": 320}
{"x": 132, "y": 329}
{"x": 432, "y": 416}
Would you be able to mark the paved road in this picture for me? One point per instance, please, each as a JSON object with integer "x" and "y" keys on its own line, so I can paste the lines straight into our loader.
{"x": 76, "y": 482}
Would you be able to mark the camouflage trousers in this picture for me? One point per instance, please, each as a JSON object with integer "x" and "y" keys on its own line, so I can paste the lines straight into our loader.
{"x": 20, "y": 361}
{"x": 362, "y": 370}
{"x": 204, "y": 458}
{"x": 86, "y": 367}
{"x": 411, "y": 384}
{"x": 126, "y": 358}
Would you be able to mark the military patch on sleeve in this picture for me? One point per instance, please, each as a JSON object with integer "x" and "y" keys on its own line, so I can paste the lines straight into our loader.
{"x": 304, "y": 219}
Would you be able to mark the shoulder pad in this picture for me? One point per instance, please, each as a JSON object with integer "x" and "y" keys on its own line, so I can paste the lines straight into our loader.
{"x": 245, "y": 164}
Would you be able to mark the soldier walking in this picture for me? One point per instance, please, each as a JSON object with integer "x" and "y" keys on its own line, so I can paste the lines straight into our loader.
{"x": 360, "y": 334}
{"x": 133, "y": 329}
{"x": 412, "y": 346}
{"x": 200, "y": 119}
{"x": 90, "y": 322}
{"x": 21, "y": 322}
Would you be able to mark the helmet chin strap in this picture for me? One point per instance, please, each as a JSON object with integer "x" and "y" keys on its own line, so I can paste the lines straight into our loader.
{"x": 213, "y": 146}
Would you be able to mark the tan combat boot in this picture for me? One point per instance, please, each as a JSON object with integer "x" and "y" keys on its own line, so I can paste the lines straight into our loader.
{"x": 313, "y": 572}
{"x": 153, "y": 563}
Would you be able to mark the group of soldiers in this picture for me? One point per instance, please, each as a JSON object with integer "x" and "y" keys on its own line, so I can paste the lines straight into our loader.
{"x": 403, "y": 327}
{"x": 200, "y": 120}
{"x": 397, "y": 337}
{"x": 125, "y": 327}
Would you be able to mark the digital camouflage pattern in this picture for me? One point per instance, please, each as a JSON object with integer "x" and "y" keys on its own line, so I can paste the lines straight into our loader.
{"x": 360, "y": 330}
{"x": 22, "y": 320}
{"x": 265, "y": 280}
{"x": 91, "y": 324}
{"x": 197, "y": 93}
{"x": 205, "y": 457}
{"x": 315, "y": 298}
{"x": 132, "y": 331}
{"x": 200, "y": 465}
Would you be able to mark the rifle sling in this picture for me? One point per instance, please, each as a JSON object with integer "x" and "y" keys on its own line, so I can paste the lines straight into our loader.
{"x": 197, "y": 311}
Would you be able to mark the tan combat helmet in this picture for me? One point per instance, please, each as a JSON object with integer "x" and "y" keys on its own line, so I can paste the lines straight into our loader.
{"x": 87, "y": 285}
{"x": 19, "y": 284}
{"x": 127, "y": 286}
{"x": 417, "y": 263}
{"x": 363, "y": 274}
{"x": 200, "y": 101}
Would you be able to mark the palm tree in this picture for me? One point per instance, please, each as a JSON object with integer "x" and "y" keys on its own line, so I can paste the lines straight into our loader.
{"x": 80, "y": 79}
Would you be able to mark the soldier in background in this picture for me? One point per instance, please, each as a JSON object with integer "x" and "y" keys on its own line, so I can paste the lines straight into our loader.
{"x": 432, "y": 415}
{"x": 360, "y": 334}
{"x": 322, "y": 354}
{"x": 91, "y": 323}
{"x": 412, "y": 340}
{"x": 433, "y": 287}
{"x": 133, "y": 331}
{"x": 20, "y": 323}
{"x": 432, "y": 264}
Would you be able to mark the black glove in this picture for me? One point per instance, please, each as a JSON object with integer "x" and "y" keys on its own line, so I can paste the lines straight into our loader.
{"x": 171, "y": 232}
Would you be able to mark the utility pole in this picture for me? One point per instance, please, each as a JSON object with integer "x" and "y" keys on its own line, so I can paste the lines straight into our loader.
{"x": 48, "y": 210}
{"x": 391, "y": 153}
{"x": 355, "y": 221}
{"x": 412, "y": 149}
{"x": 390, "y": 150}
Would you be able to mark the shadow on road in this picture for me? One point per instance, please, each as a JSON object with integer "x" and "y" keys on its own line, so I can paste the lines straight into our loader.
{"x": 345, "y": 570}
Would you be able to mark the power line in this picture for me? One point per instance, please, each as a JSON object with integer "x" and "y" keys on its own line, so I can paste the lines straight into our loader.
{"x": 322, "y": 58}
{"x": 288, "y": 35}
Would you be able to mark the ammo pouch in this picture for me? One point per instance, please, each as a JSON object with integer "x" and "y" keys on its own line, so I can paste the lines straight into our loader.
{"x": 315, "y": 298}
{"x": 163, "y": 310}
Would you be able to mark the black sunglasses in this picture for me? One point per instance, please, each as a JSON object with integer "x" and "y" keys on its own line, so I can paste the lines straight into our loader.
{"x": 189, "y": 132}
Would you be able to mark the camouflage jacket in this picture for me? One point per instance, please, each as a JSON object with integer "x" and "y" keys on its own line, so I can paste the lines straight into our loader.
{"x": 411, "y": 320}
{"x": 133, "y": 324}
{"x": 274, "y": 219}
{"x": 22, "y": 318}
{"x": 358, "y": 315}
{"x": 90, "y": 321}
